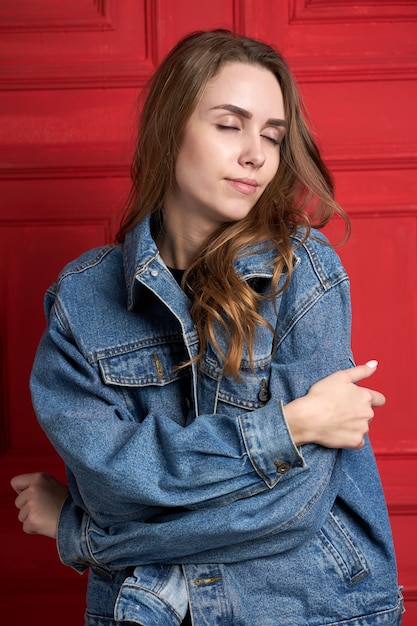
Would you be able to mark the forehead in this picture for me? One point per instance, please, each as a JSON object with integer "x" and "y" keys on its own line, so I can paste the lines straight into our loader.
{"x": 248, "y": 86}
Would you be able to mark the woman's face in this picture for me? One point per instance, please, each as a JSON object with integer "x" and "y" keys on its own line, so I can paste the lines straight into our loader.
{"x": 229, "y": 150}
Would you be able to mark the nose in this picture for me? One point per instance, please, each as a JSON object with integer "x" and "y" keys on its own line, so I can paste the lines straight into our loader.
{"x": 252, "y": 153}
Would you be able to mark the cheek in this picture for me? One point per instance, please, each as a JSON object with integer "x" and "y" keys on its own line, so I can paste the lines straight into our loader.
{"x": 273, "y": 166}
{"x": 199, "y": 164}
{"x": 190, "y": 159}
{"x": 190, "y": 171}
{"x": 185, "y": 160}
{"x": 193, "y": 142}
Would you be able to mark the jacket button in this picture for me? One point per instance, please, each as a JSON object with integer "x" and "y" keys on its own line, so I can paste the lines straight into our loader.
{"x": 154, "y": 272}
{"x": 282, "y": 468}
{"x": 263, "y": 395}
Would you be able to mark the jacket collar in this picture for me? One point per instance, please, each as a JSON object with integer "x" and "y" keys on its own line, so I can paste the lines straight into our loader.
{"x": 140, "y": 251}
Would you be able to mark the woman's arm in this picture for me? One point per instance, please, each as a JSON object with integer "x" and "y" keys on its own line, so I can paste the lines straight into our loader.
{"x": 226, "y": 457}
{"x": 319, "y": 417}
{"x": 242, "y": 530}
{"x": 168, "y": 465}
{"x": 265, "y": 524}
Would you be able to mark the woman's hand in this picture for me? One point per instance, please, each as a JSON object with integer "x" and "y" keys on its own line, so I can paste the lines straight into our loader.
{"x": 335, "y": 412}
{"x": 40, "y": 500}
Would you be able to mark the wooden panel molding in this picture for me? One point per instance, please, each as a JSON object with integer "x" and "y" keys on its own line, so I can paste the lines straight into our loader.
{"x": 321, "y": 11}
{"x": 365, "y": 125}
{"x": 4, "y": 422}
{"x": 331, "y": 41}
{"x": 77, "y": 44}
{"x": 62, "y": 201}
{"x": 27, "y": 16}
{"x": 75, "y": 171}
{"x": 367, "y": 158}
{"x": 398, "y": 470}
{"x": 4, "y": 388}
{"x": 67, "y": 133}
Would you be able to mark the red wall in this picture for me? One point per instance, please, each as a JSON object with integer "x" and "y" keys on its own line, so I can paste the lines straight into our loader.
{"x": 69, "y": 80}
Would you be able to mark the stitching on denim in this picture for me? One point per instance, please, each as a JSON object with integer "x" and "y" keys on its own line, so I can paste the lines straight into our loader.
{"x": 306, "y": 307}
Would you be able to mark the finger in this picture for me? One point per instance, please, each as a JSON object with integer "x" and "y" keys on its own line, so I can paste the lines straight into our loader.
{"x": 361, "y": 445}
{"x": 20, "y": 500}
{"x": 378, "y": 399}
{"x": 361, "y": 372}
{"x": 23, "y": 514}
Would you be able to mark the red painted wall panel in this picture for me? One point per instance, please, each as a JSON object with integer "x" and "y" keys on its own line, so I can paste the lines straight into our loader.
{"x": 70, "y": 74}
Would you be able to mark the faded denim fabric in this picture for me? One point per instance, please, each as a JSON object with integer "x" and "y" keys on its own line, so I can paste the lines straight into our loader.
{"x": 205, "y": 499}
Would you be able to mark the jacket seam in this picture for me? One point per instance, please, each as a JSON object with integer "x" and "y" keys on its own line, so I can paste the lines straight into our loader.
{"x": 92, "y": 262}
{"x": 306, "y": 307}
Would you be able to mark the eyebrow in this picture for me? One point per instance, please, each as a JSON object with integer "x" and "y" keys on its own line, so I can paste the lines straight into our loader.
{"x": 248, "y": 115}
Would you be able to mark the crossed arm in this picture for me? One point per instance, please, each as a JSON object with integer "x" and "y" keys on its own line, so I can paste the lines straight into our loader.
{"x": 334, "y": 413}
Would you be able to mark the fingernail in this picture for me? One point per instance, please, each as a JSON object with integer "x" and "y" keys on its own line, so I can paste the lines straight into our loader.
{"x": 372, "y": 363}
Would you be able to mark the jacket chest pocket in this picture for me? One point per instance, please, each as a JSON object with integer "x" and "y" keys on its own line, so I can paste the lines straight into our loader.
{"x": 149, "y": 379}
{"x": 148, "y": 363}
{"x": 249, "y": 392}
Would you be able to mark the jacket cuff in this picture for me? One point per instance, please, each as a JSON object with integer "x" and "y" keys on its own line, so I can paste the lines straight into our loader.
{"x": 269, "y": 443}
{"x": 72, "y": 537}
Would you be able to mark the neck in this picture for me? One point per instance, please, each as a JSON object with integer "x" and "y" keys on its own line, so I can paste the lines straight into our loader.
{"x": 179, "y": 240}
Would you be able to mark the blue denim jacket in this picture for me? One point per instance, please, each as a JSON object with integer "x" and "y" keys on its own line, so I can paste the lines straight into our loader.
{"x": 185, "y": 485}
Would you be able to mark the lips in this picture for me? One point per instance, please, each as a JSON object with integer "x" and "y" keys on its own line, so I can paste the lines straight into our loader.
{"x": 247, "y": 186}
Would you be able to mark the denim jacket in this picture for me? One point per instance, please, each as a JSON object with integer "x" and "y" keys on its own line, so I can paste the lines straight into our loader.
{"x": 186, "y": 487}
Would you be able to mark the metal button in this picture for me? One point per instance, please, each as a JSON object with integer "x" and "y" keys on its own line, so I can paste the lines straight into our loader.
{"x": 154, "y": 272}
{"x": 282, "y": 468}
{"x": 263, "y": 395}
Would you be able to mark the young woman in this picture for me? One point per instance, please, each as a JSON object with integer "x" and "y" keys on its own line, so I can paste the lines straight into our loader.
{"x": 197, "y": 377}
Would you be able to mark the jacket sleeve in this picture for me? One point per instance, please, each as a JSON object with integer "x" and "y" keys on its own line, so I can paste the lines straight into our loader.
{"x": 245, "y": 529}
{"x": 122, "y": 464}
{"x": 157, "y": 462}
{"x": 243, "y": 449}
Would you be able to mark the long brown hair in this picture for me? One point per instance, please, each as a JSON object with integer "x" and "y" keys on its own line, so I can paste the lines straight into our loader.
{"x": 300, "y": 196}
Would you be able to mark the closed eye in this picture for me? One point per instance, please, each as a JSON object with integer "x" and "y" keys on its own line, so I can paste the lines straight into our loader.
{"x": 226, "y": 127}
{"x": 274, "y": 142}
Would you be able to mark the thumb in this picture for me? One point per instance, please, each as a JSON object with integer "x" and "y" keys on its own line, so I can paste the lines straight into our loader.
{"x": 22, "y": 481}
{"x": 360, "y": 372}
